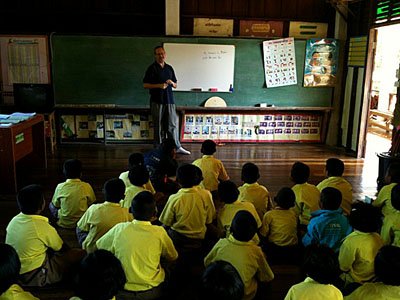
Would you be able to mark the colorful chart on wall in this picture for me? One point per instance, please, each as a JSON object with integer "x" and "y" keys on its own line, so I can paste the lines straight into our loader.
{"x": 320, "y": 66}
{"x": 270, "y": 127}
{"x": 279, "y": 62}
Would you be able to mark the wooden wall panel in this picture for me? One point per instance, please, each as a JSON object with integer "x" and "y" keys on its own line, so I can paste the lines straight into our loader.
{"x": 256, "y": 8}
{"x": 190, "y": 7}
{"x": 240, "y": 9}
{"x": 272, "y": 9}
{"x": 224, "y": 8}
{"x": 207, "y": 7}
{"x": 289, "y": 9}
{"x": 307, "y": 9}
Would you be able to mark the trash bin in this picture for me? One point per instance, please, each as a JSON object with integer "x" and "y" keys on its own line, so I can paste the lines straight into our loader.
{"x": 385, "y": 160}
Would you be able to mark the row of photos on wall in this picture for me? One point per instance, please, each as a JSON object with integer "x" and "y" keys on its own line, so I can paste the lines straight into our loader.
{"x": 196, "y": 127}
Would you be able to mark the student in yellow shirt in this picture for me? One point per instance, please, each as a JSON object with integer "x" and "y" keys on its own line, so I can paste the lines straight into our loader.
{"x": 387, "y": 283}
{"x": 220, "y": 280}
{"x": 45, "y": 259}
{"x": 73, "y": 197}
{"x": 279, "y": 229}
{"x": 307, "y": 195}
{"x": 390, "y": 231}
{"x": 100, "y": 218}
{"x": 140, "y": 246}
{"x": 392, "y": 178}
{"x": 359, "y": 248}
{"x": 334, "y": 170}
{"x": 138, "y": 176}
{"x": 228, "y": 193}
{"x": 190, "y": 212}
{"x": 213, "y": 169}
{"x": 247, "y": 258}
{"x": 253, "y": 192}
{"x": 134, "y": 160}
{"x": 100, "y": 276}
{"x": 10, "y": 266}
{"x": 322, "y": 270}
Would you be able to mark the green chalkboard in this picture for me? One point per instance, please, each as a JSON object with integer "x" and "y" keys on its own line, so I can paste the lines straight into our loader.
{"x": 109, "y": 70}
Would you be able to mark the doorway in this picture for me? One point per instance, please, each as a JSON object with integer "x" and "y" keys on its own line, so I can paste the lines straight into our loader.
{"x": 382, "y": 93}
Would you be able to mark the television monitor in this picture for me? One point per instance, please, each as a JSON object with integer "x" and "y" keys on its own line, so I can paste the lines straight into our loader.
{"x": 33, "y": 97}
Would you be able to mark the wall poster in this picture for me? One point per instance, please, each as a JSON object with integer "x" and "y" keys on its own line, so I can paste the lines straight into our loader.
{"x": 320, "y": 66}
{"x": 279, "y": 62}
{"x": 265, "y": 127}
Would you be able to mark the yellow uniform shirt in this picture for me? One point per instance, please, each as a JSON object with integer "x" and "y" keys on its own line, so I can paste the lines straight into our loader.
{"x": 228, "y": 212}
{"x": 148, "y": 186}
{"x": 280, "y": 226}
{"x": 247, "y": 258}
{"x": 15, "y": 292}
{"x": 72, "y": 197}
{"x": 100, "y": 218}
{"x": 357, "y": 255}
{"x": 213, "y": 170}
{"x": 375, "y": 291}
{"x": 31, "y": 236}
{"x": 130, "y": 193}
{"x": 343, "y": 186}
{"x": 139, "y": 246}
{"x": 307, "y": 201}
{"x": 390, "y": 231}
{"x": 310, "y": 289}
{"x": 384, "y": 199}
{"x": 256, "y": 194}
{"x": 188, "y": 212}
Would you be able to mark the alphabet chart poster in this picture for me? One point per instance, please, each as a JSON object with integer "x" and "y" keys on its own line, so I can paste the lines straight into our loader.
{"x": 279, "y": 62}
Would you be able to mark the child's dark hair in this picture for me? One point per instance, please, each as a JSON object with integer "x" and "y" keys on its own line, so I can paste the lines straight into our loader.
{"x": 321, "y": 264}
{"x": 138, "y": 175}
{"x": 221, "y": 281}
{"x": 72, "y": 168}
{"x": 187, "y": 175}
{"x": 135, "y": 159}
{"x": 387, "y": 265}
{"x": 243, "y": 226}
{"x": 208, "y": 147}
{"x": 393, "y": 171}
{"x": 334, "y": 167}
{"x": 300, "y": 172}
{"x": 365, "y": 217}
{"x": 30, "y": 199}
{"x": 167, "y": 146}
{"x": 228, "y": 191}
{"x": 100, "y": 276}
{"x": 250, "y": 173}
{"x": 10, "y": 266}
{"x": 114, "y": 190}
{"x": 143, "y": 207}
{"x": 285, "y": 198}
{"x": 395, "y": 197}
{"x": 331, "y": 198}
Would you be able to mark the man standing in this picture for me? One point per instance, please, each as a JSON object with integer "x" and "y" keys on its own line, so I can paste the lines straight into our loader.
{"x": 160, "y": 79}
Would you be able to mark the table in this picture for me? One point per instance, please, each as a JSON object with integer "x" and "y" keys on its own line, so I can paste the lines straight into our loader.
{"x": 24, "y": 143}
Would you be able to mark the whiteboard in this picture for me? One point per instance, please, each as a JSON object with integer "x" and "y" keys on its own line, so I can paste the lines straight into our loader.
{"x": 202, "y": 66}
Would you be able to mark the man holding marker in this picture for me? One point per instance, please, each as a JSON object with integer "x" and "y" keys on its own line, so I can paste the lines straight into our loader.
{"x": 160, "y": 79}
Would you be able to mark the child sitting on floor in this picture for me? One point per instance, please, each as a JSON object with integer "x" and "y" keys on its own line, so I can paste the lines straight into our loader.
{"x": 390, "y": 231}
{"x": 251, "y": 191}
{"x": 321, "y": 267}
{"x": 100, "y": 218}
{"x": 134, "y": 160}
{"x": 138, "y": 176}
{"x": 10, "y": 266}
{"x": 334, "y": 170}
{"x": 71, "y": 198}
{"x": 45, "y": 259}
{"x": 279, "y": 228}
{"x": 328, "y": 225}
{"x": 240, "y": 251}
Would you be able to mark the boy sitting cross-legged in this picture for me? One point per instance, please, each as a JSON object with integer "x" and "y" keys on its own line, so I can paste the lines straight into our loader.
{"x": 140, "y": 246}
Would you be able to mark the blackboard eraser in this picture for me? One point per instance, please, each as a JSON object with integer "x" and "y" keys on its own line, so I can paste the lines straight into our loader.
{"x": 213, "y": 89}
{"x": 196, "y": 89}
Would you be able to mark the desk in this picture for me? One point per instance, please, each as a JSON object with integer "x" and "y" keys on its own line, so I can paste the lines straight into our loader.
{"x": 23, "y": 141}
{"x": 381, "y": 119}
{"x": 255, "y": 124}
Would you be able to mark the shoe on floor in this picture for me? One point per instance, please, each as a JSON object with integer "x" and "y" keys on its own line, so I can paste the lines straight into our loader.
{"x": 182, "y": 150}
